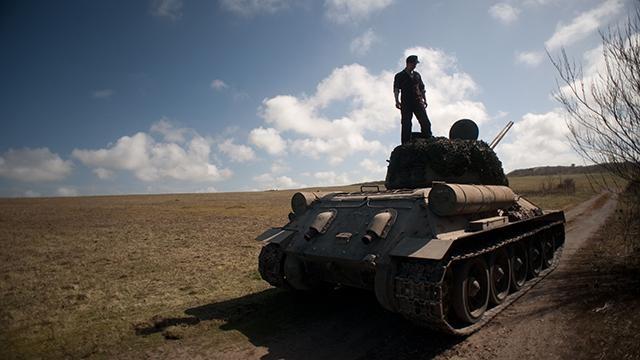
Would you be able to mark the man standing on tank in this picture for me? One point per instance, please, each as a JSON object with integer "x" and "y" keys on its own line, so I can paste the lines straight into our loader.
{"x": 409, "y": 86}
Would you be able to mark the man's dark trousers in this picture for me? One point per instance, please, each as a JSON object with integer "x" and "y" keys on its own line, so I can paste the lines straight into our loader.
{"x": 421, "y": 114}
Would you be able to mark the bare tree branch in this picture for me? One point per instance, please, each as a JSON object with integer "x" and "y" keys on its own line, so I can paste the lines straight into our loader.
{"x": 603, "y": 108}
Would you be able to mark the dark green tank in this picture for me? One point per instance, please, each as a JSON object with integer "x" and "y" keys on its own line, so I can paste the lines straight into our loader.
{"x": 448, "y": 244}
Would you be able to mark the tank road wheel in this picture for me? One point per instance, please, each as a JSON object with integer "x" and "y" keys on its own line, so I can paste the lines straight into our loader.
{"x": 500, "y": 276}
{"x": 470, "y": 289}
{"x": 536, "y": 257}
{"x": 271, "y": 265}
{"x": 519, "y": 265}
{"x": 548, "y": 249}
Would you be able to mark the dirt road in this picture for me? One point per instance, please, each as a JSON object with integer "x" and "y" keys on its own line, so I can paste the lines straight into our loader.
{"x": 542, "y": 324}
{"x": 350, "y": 324}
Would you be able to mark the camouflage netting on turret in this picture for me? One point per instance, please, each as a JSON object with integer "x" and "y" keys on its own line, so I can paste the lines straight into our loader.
{"x": 422, "y": 161}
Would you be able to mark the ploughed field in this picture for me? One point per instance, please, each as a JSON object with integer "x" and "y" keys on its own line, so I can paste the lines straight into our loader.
{"x": 110, "y": 276}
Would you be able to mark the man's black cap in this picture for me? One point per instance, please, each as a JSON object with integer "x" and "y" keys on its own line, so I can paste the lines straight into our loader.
{"x": 413, "y": 59}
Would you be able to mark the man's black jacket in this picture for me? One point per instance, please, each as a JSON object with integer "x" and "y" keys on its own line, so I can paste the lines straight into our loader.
{"x": 409, "y": 87}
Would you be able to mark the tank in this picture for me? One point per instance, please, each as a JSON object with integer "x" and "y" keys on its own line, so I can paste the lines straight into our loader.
{"x": 446, "y": 243}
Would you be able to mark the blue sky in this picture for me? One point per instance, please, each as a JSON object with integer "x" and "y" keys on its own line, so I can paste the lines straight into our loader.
{"x": 163, "y": 96}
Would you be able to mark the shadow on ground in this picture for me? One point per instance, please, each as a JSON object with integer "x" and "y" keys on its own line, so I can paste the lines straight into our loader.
{"x": 344, "y": 324}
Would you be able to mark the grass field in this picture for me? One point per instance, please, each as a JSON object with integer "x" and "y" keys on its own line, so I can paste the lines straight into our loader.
{"x": 79, "y": 276}
{"x": 586, "y": 185}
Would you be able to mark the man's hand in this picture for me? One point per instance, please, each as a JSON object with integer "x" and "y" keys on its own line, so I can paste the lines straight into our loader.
{"x": 398, "y": 105}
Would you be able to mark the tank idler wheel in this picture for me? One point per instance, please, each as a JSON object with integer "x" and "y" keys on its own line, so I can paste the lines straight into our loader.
{"x": 536, "y": 257}
{"x": 548, "y": 249}
{"x": 519, "y": 265}
{"x": 470, "y": 289}
{"x": 271, "y": 266}
{"x": 500, "y": 276}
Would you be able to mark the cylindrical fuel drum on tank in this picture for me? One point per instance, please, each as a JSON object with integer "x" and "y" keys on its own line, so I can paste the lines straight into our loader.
{"x": 301, "y": 201}
{"x": 457, "y": 199}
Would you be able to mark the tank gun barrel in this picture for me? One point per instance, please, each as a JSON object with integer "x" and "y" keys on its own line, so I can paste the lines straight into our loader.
{"x": 500, "y": 135}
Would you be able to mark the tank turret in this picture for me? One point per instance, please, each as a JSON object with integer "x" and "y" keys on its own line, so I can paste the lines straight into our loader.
{"x": 460, "y": 159}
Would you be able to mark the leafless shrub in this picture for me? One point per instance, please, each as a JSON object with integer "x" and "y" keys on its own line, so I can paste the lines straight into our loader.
{"x": 604, "y": 107}
{"x": 557, "y": 185}
{"x": 567, "y": 186}
{"x": 603, "y": 111}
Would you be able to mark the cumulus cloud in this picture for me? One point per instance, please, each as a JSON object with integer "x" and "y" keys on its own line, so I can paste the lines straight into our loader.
{"x": 504, "y": 13}
{"x": 169, "y": 131}
{"x": 102, "y": 94}
{"x": 593, "y": 65}
{"x": 67, "y": 191}
{"x": 103, "y": 173}
{"x": 583, "y": 25}
{"x": 254, "y": 7}
{"x": 268, "y": 139}
{"x": 370, "y": 110}
{"x": 373, "y": 167}
{"x": 151, "y": 160}
{"x": 530, "y": 58}
{"x": 170, "y": 9}
{"x": 218, "y": 85}
{"x": 343, "y": 11}
{"x": 34, "y": 165}
{"x": 31, "y": 194}
{"x": 537, "y": 140}
{"x": 237, "y": 153}
{"x": 330, "y": 178}
{"x": 360, "y": 45}
{"x": 208, "y": 189}
{"x": 279, "y": 166}
{"x": 449, "y": 91}
{"x": 270, "y": 181}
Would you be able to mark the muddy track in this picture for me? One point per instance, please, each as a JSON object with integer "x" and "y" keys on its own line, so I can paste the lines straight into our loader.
{"x": 349, "y": 324}
{"x": 538, "y": 326}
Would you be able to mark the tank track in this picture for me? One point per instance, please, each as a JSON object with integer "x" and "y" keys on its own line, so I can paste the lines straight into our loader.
{"x": 420, "y": 288}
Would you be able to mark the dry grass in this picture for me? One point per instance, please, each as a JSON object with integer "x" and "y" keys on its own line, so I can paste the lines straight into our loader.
{"x": 79, "y": 275}
{"x": 537, "y": 188}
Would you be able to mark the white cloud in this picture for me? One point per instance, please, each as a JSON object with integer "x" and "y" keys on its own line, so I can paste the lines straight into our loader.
{"x": 593, "y": 65}
{"x": 151, "y": 160}
{"x": 170, "y": 9}
{"x": 102, "y": 94}
{"x": 343, "y": 11}
{"x": 337, "y": 148}
{"x": 373, "y": 167}
{"x": 269, "y": 181}
{"x": 331, "y": 178}
{"x": 31, "y": 193}
{"x": 530, "y": 58}
{"x": 504, "y": 12}
{"x": 500, "y": 114}
{"x": 67, "y": 191}
{"x": 268, "y": 139}
{"x": 218, "y": 85}
{"x": 103, "y": 173}
{"x": 537, "y": 140}
{"x": 583, "y": 25}
{"x": 279, "y": 166}
{"x": 371, "y": 106}
{"x": 361, "y": 44}
{"x": 370, "y": 109}
{"x": 208, "y": 189}
{"x": 169, "y": 131}
{"x": 449, "y": 91}
{"x": 34, "y": 165}
{"x": 253, "y": 7}
{"x": 541, "y": 2}
{"x": 237, "y": 153}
